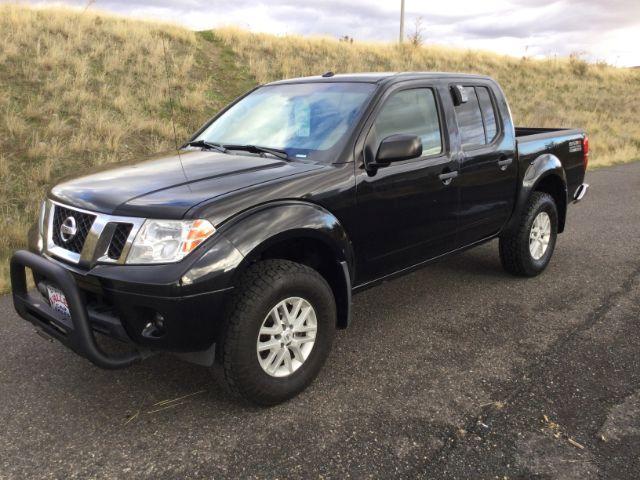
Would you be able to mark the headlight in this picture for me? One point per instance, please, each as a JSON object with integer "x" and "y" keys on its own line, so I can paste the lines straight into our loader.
{"x": 166, "y": 241}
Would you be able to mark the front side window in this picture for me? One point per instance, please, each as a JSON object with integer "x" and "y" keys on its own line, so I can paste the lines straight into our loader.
{"x": 412, "y": 112}
{"x": 307, "y": 120}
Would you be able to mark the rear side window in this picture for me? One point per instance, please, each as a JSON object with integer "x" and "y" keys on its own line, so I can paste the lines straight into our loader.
{"x": 488, "y": 113}
{"x": 412, "y": 112}
{"x": 476, "y": 118}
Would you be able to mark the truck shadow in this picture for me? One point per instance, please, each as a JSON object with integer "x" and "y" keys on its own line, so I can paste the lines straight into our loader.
{"x": 482, "y": 262}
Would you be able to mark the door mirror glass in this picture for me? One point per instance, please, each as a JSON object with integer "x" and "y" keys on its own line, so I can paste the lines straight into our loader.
{"x": 399, "y": 147}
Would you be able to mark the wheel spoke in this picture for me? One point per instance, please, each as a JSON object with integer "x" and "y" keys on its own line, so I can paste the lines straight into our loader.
{"x": 299, "y": 322}
{"x": 268, "y": 345}
{"x": 275, "y": 329}
{"x": 277, "y": 362}
{"x": 305, "y": 340}
{"x": 303, "y": 329}
{"x": 295, "y": 311}
{"x": 269, "y": 360}
{"x": 534, "y": 246}
{"x": 297, "y": 353}
{"x": 287, "y": 360}
{"x": 277, "y": 319}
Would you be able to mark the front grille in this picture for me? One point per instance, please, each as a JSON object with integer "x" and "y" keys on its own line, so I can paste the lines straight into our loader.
{"x": 84, "y": 221}
{"x": 118, "y": 240}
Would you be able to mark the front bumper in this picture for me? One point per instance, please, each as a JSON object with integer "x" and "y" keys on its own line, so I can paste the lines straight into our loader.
{"x": 190, "y": 323}
{"x": 76, "y": 332}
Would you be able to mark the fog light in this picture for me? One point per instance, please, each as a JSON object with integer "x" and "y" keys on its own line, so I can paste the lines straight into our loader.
{"x": 159, "y": 321}
{"x": 155, "y": 328}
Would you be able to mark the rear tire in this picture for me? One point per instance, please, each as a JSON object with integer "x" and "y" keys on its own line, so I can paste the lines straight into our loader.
{"x": 527, "y": 250}
{"x": 278, "y": 332}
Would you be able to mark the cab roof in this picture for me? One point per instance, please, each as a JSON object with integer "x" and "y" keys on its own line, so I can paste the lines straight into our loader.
{"x": 378, "y": 77}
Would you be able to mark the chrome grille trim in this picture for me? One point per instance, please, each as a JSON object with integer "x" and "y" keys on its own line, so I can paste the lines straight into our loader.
{"x": 96, "y": 245}
{"x": 119, "y": 240}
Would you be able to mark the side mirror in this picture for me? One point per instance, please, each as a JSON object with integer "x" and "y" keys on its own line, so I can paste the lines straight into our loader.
{"x": 398, "y": 147}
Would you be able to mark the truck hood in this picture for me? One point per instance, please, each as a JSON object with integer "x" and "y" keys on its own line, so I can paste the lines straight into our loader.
{"x": 169, "y": 185}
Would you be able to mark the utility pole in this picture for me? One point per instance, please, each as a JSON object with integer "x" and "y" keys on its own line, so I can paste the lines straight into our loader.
{"x": 401, "y": 21}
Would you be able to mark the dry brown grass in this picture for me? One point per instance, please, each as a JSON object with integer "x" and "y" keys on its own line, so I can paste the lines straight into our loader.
{"x": 563, "y": 92}
{"x": 83, "y": 89}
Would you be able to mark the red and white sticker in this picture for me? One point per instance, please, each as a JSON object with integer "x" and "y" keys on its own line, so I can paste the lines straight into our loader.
{"x": 58, "y": 301}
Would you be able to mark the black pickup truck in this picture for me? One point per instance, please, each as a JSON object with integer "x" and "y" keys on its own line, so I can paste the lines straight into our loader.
{"x": 242, "y": 249}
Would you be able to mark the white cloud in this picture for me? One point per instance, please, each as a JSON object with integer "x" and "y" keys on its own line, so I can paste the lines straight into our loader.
{"x": 600, "y": 29}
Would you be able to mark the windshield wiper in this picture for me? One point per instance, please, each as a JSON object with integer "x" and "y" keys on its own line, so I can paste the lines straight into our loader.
{"x": 205, "y": 144}
{"x": 276, "y": 152}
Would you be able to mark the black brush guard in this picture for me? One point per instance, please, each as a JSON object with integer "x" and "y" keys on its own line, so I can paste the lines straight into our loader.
{"x": 76, "y": 332}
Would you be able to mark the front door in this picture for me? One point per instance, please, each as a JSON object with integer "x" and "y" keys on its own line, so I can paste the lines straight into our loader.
{"x": 407, "y": 211}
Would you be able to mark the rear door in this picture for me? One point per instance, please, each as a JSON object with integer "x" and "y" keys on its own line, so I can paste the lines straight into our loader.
{"x": 407, "y": 212}
{"x": 488, "y": 172}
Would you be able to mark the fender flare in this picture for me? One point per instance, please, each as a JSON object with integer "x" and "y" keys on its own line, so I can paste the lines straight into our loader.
{"x": 545, "y": 165}
{"x": 256, "y": 230}
{"x": 260, "y": 227}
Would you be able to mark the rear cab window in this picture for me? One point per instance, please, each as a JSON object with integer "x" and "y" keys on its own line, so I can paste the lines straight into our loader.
{"x": 477, "y": 119}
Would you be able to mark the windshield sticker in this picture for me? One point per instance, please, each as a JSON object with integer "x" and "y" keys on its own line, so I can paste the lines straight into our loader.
{"x": 302, "y": 118}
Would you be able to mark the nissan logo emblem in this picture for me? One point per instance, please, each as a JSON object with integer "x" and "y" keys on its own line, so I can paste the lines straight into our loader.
{"x": 68, "y": 229}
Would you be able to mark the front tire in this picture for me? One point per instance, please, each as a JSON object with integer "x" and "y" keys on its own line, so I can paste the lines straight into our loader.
{"x": 278, "y": 332}
{"x": 527, "y": 250}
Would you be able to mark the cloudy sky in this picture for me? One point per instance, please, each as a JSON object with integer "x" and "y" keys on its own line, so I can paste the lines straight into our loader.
{"x": 598, "y": 29}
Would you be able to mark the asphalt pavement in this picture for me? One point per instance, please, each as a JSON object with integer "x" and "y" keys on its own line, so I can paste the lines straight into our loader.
{"x": 455, "y": 371}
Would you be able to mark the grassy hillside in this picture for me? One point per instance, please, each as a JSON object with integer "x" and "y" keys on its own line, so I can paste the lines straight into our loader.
{"x": 78, "y": 90}
{"x": 564, "y": 92}
{"x": 85, "y": 89}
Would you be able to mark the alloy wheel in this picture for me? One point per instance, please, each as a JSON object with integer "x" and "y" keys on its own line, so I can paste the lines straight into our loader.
{"x": 287, "y": 336}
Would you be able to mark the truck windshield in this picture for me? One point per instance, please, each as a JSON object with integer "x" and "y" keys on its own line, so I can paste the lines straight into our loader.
{"x": 306, "y": 120}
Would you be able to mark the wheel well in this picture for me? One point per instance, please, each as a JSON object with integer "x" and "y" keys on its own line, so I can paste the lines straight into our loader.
{"x": 554, "y": 186}
{"x": 317, "y": 255}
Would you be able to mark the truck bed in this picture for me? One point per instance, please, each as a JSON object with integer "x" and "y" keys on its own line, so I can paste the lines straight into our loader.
{"x": 559, "y": 142}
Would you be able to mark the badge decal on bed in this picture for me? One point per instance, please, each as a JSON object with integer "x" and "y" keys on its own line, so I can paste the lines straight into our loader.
{"x": 575, "y": 146}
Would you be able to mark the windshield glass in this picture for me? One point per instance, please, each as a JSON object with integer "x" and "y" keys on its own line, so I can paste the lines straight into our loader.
{"x": 307, "y": 120}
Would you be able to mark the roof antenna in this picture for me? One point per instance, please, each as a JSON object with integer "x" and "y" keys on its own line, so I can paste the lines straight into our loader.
{"x": 173, "y": 122}
{"x": 328, "y": 74}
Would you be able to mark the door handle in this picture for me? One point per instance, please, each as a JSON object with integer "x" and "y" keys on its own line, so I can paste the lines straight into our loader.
{"x": 503, "y": 163}
{"x": 448, "y": 177}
